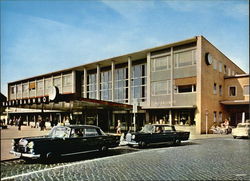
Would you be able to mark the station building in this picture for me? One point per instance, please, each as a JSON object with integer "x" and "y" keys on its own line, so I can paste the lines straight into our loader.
{"x": 189, "y": 82}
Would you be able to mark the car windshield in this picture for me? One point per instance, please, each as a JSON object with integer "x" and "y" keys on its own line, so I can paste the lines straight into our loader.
{"x": 147, "y": 128}
{"x": 60, "y": 132}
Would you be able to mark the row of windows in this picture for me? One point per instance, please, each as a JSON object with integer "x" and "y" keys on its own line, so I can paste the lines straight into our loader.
{"x": 37, "y": 87}
{"x": 138, "y": 84}
{"x": 164, "y": 88}
{"x": 232, "y": 91}
{"x": 226, "y": 70}
{"x": 182, "y": 59}
{"x": 219, "y": 119}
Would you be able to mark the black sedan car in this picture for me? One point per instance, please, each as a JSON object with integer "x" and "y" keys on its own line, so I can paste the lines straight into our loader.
{"x": 64, "y": 140}
{"x": 154, "y": 134}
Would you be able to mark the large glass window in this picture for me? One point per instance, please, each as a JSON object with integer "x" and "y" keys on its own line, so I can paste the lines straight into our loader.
{"x": 39, "y": 88}
{"x": 48, "y": 85}
{"x": 161, "y": 87}
{"x": 138, "y": 82}
{"x": 161, "y": 63}
{"x": 106, "y": 86}
{"x": 57, "y": 82}
{"x": 246, "y": 90}
{"x": 186, "y": 58}
{"x": 25, "y": 90}
{"x": 91, "y": 86}
{"x": 121, "y": 85}
{"x": 67, "y": 83}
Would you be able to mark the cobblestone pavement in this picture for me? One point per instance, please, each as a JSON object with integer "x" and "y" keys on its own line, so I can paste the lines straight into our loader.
{"x": 205, "y": 159}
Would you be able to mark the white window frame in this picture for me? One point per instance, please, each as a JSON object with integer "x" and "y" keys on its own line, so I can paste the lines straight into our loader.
{"x": 176, "y": 62}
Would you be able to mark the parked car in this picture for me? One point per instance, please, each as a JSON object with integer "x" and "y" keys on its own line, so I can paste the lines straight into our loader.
{"x": 64, "y": 140}
{"x": 242, "y": 130}
{"x": 154, "y": 134}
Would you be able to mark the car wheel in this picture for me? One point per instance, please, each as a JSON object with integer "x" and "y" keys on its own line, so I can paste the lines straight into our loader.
{"x": 103, "y": 148}
{"x": 234, "y": 137}
{"x": 142, "y": 144}
{"x": 177, "y": 142}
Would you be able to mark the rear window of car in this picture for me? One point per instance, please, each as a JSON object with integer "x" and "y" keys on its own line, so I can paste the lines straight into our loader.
{"x": 91, "y": 132}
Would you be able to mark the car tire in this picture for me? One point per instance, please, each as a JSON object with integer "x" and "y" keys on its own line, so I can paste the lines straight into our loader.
{"x": 234, "y": 137}
{"x": 142, "y": 144}
{"x": 177, "y": 142}
{"x": 103, "y": 148}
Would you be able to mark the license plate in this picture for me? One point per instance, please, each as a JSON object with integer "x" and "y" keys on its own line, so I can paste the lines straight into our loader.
{"x": 17, "y": 154}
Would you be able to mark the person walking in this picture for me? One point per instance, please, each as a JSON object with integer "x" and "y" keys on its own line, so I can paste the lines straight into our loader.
{"x": 118, "y": 127}
{"x": 19, "y": 123}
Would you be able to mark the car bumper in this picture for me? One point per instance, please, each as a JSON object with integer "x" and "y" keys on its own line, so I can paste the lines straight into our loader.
{"x": 124, "y": 143}
{"x": 27, "y": 155}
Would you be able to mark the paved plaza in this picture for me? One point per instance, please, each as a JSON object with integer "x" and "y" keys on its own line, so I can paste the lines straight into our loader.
{"x": 201, "y": 159}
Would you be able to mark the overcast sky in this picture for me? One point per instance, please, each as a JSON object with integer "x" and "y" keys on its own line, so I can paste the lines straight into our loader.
{"x": 39, "y": 37}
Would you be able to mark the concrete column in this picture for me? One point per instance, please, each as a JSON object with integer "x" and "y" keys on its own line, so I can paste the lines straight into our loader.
{"x": 85, "y": 77}
{"x": 170, "y": 117}
{"x": 113, "y": 81}
{"x": 148, "y": 79}
{"x": 98, "y": 82}
{"x": 61, "y": 83}
{"x": 172, "y": 78}
{"x": 243, "y": 117}
{"x": 21, "y": 90}
{"x": 129, "y": 79}
{"x": 43, "y": 86}
{"x": 73, "y": 81}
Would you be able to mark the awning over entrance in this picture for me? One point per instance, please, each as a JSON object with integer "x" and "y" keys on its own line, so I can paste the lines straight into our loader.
{"x": 76, "y": 105}
{"x": 235, "y": 102}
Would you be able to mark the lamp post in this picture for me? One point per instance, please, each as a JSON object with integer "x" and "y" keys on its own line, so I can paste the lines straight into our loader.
{"x": 206, "y": 120}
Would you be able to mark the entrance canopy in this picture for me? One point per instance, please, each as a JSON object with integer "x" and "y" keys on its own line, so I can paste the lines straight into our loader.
{"x": 235, "y": 102}
{"x": 74, "y": 105}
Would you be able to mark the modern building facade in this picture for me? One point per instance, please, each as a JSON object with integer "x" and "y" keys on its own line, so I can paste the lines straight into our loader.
{"x": 189, "y": 82}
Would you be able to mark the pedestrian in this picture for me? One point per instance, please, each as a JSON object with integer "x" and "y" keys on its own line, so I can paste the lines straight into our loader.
{"x": 42, "y": 125}
{"x": 118, "y": 127}
{"x": 19, "y": 123}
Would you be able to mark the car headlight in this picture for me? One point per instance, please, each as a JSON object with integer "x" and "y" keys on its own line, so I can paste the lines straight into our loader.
{"x": 30, "y": 145}
{"x": 133, "y": 137}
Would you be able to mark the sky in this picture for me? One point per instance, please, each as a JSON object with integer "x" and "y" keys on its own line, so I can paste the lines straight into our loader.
{"x": 42, "y": 36}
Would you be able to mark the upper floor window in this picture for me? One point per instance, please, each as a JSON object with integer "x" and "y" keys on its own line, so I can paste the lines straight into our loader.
{"x": 215, "y": 116}
{"x": 246, "y": 90}
{"x": 225, "y": 69}
{"x": 185, "y": 88}
{"x": 12, "y": 90}
{"x": 185, "y": 58}
{"x": 215, "y": 88}
{"x": 229, "y": 72}
{"x": 161, "y": 87}
{"x": 220, "y": 67}
{"x": 215, "y": 64}
{"x": 232, "y": 91}
{"x": 161, "y": 63}
{"x": 220, "y": 90}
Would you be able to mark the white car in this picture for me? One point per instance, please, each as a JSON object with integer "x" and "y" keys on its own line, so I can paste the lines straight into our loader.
{"x": 242, "y": 130}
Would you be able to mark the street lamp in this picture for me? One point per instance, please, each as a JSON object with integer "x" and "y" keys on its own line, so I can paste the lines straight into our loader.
{"x": 206, "y": 120}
